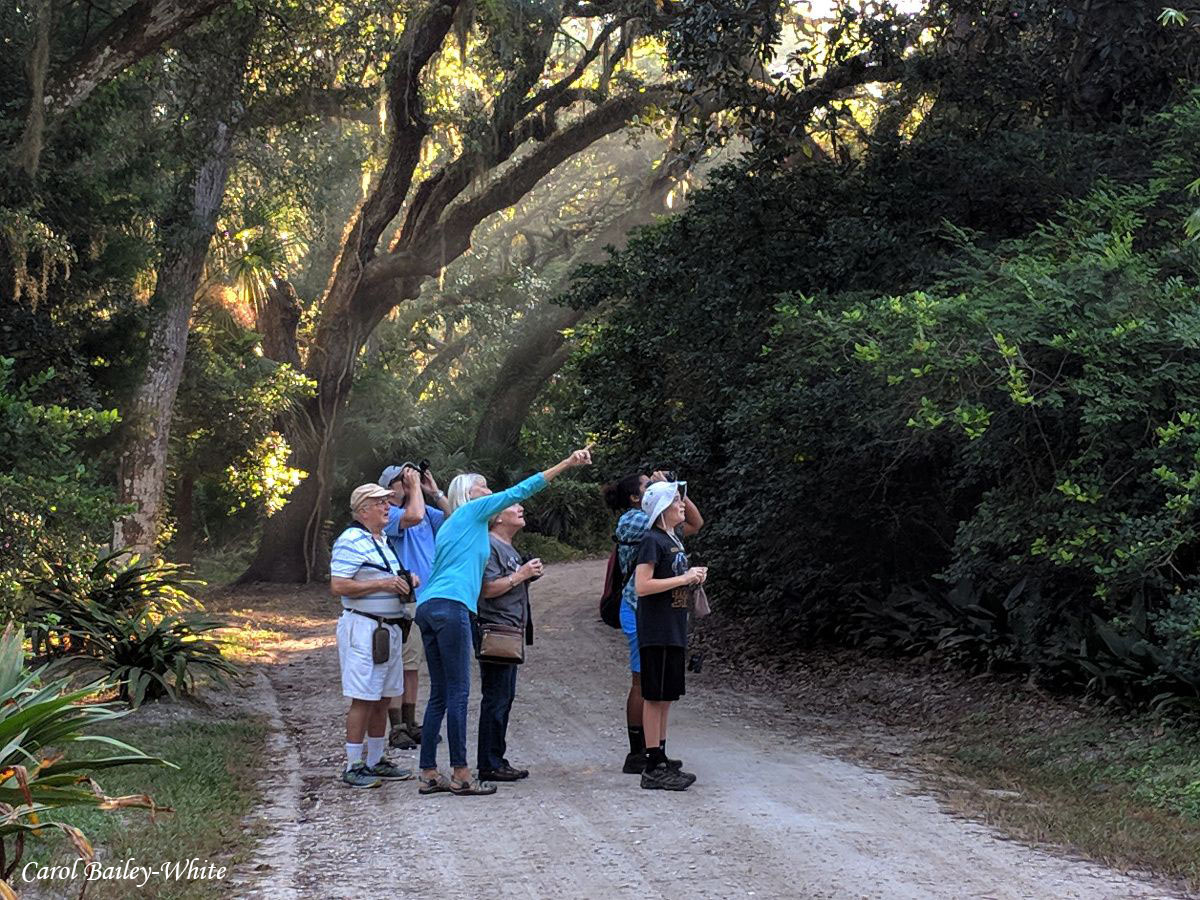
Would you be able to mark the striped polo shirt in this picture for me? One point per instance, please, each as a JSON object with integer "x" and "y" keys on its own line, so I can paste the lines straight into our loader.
{"x": 357, "y": 555}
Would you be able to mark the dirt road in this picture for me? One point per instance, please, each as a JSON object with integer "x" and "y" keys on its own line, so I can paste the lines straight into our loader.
{"x": 769, "y": 816}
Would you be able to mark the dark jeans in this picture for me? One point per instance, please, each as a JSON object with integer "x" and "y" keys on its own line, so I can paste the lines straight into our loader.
{"x": 498, "y": 687}
{"x": 446, "y": 633}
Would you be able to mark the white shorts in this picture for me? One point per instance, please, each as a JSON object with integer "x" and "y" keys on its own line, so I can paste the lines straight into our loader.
{"x": 362, "y": 679}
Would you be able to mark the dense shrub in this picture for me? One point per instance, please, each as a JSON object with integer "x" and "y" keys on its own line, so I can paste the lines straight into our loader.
{"x": 54, "y": 502}
{"x": 999, "y": 460}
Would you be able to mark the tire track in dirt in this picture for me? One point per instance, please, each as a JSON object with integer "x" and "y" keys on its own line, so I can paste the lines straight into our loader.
{"x": 770, "y": 815}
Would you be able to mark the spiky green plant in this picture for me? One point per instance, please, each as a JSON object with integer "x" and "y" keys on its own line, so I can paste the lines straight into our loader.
{"x": 149, "y": 655}
{"x": 41, "y": 722}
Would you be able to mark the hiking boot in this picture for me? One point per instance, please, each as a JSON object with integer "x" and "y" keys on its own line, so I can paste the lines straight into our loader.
{"x": 521, "y": 773}
{"x": 414, "y": 732}
{"x": 358, "y": 775}
{"x": 664, "y": 779}
{"x": 400, "y": 738}
{"x": 389, "y": 772}
{"x": 635, "y": 763}
{"x": 504, "y": 773}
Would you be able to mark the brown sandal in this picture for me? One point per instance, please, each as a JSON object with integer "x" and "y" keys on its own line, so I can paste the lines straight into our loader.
{"x": 471, "y": 788}
{"x": 435, "y": 785}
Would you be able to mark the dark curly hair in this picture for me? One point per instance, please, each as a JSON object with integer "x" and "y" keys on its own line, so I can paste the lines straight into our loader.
{"x": 617, "y": 494}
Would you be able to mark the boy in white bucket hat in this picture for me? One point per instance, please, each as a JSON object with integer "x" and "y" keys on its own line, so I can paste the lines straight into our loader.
{"x": 663, "y": 581}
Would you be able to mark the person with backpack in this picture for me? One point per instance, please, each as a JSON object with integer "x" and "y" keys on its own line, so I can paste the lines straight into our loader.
{"x": 664, "y": 582}
{"x": 368, "y": 578}
{"x": 625, "y": 496}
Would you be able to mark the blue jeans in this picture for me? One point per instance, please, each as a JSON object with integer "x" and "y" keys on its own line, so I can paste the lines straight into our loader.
{"x": 446, "y": 633}
{"x": 498, "y": 687}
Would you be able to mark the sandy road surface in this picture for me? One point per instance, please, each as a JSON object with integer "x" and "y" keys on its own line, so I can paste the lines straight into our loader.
{"x": 770, "y": 816}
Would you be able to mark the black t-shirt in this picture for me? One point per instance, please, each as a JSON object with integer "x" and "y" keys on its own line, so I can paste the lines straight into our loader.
{"x": 662, "y": 618}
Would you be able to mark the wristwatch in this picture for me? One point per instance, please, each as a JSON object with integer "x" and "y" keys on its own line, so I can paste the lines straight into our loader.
{"x": 440, "y": 494}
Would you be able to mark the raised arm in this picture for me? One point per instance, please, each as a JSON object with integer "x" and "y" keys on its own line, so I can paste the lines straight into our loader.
{"x": 692, "y": 520}
{"x": 578, "y": 458}
{"x": 414, "y": 499}
{"x": 429, "y": 485}
{"x": 485, "y": 507}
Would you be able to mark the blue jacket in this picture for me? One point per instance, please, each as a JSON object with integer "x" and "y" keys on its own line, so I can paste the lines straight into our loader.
{"x": 462, "y": 546}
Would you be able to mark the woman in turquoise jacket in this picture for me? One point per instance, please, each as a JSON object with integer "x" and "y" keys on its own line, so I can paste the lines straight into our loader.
{"x": 444, "y": 609}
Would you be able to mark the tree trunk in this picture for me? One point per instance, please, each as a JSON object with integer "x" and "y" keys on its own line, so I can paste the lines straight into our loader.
{"x": 538, "y": 354}
{"x": 294, "y": 546}
{"x": 188, "y": 230}
{"x": 278, "y": 319}
{"x": 541, "y": 349}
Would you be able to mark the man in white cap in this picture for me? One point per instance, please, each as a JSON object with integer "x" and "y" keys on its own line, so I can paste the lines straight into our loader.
{"x": 367, "y": 576}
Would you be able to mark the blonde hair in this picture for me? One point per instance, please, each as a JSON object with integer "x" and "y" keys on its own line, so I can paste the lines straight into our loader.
{"x": 459, "y": 491}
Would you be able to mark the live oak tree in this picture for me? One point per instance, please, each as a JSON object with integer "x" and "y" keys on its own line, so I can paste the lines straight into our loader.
{"x": 545, "y": 106}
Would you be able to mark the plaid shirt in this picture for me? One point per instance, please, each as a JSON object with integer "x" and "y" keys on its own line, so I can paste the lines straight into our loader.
{"x": 631, "y": 528}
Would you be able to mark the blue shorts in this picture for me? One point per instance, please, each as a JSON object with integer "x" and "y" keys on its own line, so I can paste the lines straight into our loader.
{"x": 629, "y": 626}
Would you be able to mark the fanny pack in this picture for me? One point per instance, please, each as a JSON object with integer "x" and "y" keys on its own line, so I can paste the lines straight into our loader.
{"x": 381, "y": 638}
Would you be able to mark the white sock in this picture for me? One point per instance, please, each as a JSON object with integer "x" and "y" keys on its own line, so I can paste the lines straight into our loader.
{"x": 375, "y": 747}
{"x": 353, "y": 754}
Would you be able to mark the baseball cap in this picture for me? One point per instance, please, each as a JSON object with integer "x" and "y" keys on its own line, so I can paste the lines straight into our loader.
{"x": 390, "y": 474}
{"x": 365, "y": 492}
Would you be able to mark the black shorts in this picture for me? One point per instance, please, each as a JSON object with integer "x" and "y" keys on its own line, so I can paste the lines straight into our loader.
{"x": 662, "y": 673}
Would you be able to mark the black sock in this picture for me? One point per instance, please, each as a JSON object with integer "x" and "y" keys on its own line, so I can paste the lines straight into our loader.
{"x": 655, "y": 758}
{"x": 662, "y": 745}
{"x": 394, "y": 716}
{"x": 408, "y": 712}
{"x": 637, "y": 739}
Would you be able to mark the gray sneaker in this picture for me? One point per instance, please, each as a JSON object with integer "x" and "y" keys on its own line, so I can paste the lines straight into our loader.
{"x": 388, "y": 772}
{"x": 358, "y": 775}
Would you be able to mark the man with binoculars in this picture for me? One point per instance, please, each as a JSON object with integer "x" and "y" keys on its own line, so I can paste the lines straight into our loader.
{"x": 411, "y": 527}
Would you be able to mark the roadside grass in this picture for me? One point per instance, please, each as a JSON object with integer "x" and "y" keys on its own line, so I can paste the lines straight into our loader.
{"x": 219, "y": 568}
{"x": 1122, "y": 791}
{"x": 210, "y": 793}
{"x": 245, "y": 639}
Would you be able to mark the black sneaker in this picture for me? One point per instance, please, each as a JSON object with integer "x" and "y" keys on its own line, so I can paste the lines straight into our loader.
{"x": 504, "y": 773}
{"x": 521, "y": 773}
{"x": 663, "y": 779}
{"x": 635, "y": 763}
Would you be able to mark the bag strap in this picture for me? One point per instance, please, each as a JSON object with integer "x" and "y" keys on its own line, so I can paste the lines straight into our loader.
{"x": 386, "y": 567}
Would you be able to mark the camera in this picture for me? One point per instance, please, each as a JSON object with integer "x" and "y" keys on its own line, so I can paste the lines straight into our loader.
{"x": 668, "y": 473}
{"x": 421, "y": 468}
